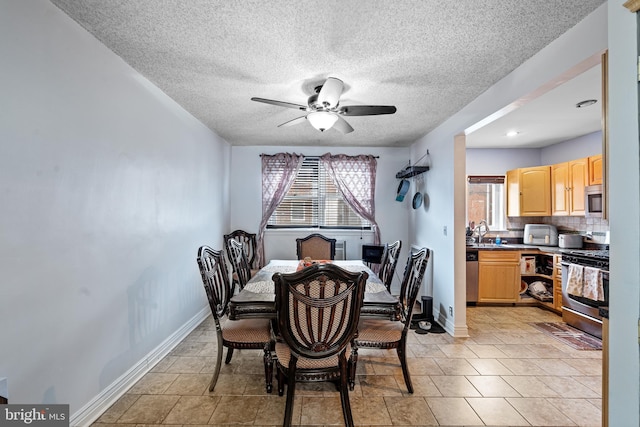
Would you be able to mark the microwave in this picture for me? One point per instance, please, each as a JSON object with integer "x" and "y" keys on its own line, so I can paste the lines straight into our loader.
{"x": 593, "y": 201}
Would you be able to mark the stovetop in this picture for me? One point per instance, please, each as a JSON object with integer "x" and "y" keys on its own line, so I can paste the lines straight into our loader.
{"x": 598, "y": 258}
{"x": 591, "y": 253}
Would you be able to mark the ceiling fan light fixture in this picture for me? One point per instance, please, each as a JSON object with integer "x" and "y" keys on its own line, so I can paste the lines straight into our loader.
{"x": 322, "y": 120}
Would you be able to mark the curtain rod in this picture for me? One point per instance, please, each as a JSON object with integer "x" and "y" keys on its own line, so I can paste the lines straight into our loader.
{"x": 263, "y": 154}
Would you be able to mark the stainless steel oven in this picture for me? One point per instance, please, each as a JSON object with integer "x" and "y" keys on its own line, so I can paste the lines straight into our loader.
{"x": 580, "y": 312}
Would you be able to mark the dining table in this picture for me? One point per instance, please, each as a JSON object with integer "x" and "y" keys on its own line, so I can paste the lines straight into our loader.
{"x": 257, "y": 298}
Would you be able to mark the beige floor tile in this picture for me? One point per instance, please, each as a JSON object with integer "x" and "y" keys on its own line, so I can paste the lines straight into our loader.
{"x": 456, "y": 367}
{"x": 149, "y": 409}
{"x": 153, "y": 383}
{"x": 539, "y": 412}
{"x": 568, "y": 387}
{"x": 190, "y": 384}
{"x": 369, "y": 411}
{"x": 453, "y": 411}
{"x": 530, "y": 386}
{"x": 495, "y": 411}
{"x": 516, "y": 351}
{"x": 426, "y": 350}
{"x": 192, "y": 410}
{"x": 424, "y": 366}
{"x": 580, "y": 411}
{"x": 546, "y": 351}
{"x": 386, "y": 366}
{"x": 492, "y": 386}
{"x": 162, "y": 365}
{"x": 522, "y": 367}
{"x": 457, "y": 351}
{"x": 186, "y": 348}
{"x": 236, "y": 410}
{"x": 587, "y": 366}
{"x": 485, "y": 351}
{"x": 480, "y": 337}
{"x": 422, "y": 386}
{"x": 489, "y": 367}
{"x": 593, "y": 382}
{"x": 116, "y": 410}
{"x": 321, "y": 410}
{"x": 229, "y": 384}
{"x": 556, "y": 367}
{"x": 455, "y": 386}
{"x": 380, "y": 385}
{"x": 409, "y": 411}
{"x": 187, "y": 365}
{"x": 271, "y": 412}
{"x": 503, "y": 354}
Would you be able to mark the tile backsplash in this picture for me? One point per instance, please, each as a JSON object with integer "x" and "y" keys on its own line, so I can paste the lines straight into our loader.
{"x": 598, "y": 227}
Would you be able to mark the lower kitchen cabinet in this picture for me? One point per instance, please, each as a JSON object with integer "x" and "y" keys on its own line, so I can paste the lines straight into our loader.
{"x": 557, "y": 283}
{"x": 498, "y": 276}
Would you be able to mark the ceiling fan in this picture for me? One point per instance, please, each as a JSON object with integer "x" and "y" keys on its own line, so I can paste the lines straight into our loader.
{"x": 324, "y": 111}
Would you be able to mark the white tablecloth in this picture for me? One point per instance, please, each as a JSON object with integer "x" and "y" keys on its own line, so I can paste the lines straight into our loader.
{"x": 261, "y": 283}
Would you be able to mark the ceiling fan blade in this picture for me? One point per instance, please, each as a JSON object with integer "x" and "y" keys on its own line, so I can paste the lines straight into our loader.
{"x": 366, "y": 110}
{"x": 341, "y": 125}
{"x": 281, "y": 103}
{"x": 294, "y": 121}
{"x": 329, "y": 95}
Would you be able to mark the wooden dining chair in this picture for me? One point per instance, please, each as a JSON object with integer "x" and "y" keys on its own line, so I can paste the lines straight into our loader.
{"x": 316, "y": 246}
{"x": 386, "y": 334}
{"x": 238, "y": 258}
{"x": 318, "y": 311}
{"x": 249, "y": 244}
{"x": 232, "y": 334}
{"x": 389, "y": 262}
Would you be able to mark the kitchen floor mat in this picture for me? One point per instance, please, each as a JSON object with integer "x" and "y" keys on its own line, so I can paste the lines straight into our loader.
{"x": 569, "y": 335}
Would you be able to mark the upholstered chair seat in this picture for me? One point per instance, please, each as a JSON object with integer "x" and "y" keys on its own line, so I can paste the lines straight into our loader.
{"x": 379, "y": 330}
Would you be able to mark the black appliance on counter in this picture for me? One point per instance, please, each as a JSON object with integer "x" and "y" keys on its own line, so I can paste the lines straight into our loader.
{"x": 580, "y": 312}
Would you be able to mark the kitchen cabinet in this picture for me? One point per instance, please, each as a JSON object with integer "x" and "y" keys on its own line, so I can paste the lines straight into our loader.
{"x": 557, "y": 283}
{"x": 568, "y": 180}
{"x": 498, "y": 276}
{"x": 595, "y": 170}
{"x": 529, "y": 191}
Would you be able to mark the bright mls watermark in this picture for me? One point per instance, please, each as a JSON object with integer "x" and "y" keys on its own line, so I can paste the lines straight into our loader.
{"x": 13, "y": 415}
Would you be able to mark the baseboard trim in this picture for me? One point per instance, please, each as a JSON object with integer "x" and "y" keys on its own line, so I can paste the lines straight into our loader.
{"x": 90, "y": 412}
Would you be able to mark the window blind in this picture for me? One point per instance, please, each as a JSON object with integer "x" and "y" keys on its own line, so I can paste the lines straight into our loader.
{"x": 485, "y": 179}
{"x": 313, "y": 201}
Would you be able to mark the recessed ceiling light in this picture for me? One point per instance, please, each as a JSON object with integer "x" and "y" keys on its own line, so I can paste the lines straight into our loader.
{"x": 586, "y": 103}
{"x": 512, "y": 133}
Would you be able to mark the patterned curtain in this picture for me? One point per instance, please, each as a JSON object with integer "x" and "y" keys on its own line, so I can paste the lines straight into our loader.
{"x": 278, "y": 173}
{"x": 355, "y": 178}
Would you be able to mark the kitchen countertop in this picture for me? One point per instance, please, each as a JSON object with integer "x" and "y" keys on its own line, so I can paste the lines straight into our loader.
{"x": 514, "y": 247}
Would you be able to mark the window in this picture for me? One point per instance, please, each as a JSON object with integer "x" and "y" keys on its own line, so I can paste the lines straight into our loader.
{"x": 313, "y": 201}
{"x": 486, "y": 200}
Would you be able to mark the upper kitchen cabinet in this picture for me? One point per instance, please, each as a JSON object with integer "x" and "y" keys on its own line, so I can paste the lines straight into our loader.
{"x": 529, "y": 191}
{"x": 595, "y": 170}
{"x": 568, "y": 180}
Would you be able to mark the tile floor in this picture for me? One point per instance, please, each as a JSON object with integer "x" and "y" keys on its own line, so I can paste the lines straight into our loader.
{"x": 506, "y": 374}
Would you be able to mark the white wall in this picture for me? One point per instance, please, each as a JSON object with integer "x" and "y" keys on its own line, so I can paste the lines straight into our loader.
{"x": 108, "y": 188}
{"x": 496, "y": 161}
{"x": 586, "y": 39}
{"x": 624, "y": 204}
{"x": 575, "y": 148}
{"x": 246, "y": 197}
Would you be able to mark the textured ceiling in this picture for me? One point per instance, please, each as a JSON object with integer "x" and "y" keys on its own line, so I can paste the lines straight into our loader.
{"x": 428, "y": 58}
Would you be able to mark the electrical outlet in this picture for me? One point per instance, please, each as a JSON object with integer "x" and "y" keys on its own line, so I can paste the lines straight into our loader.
{"x": 444, "y": 230}
{"x": 450, "y": 310}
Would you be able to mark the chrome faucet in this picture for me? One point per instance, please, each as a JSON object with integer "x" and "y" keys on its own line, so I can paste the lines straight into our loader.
{"x": 481, "y": 230}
